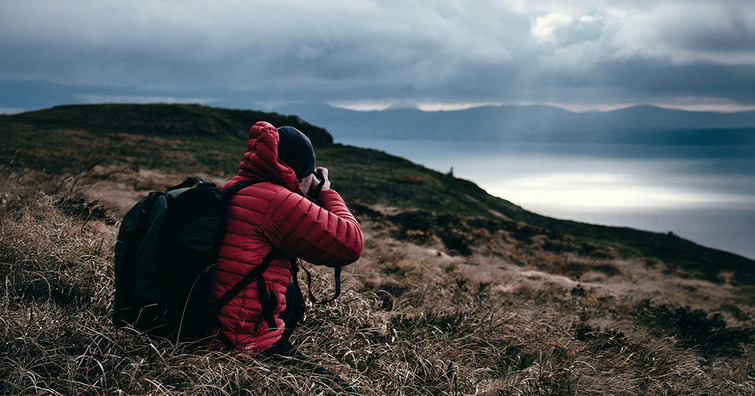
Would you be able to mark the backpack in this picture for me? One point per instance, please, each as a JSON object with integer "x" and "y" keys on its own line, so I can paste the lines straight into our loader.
{"x": 166, "y": 250}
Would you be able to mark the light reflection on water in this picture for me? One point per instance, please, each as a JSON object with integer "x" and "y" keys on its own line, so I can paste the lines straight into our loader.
{"x": 706, "y": 194}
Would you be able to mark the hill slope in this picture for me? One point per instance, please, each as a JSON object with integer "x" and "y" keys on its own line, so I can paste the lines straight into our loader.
{"x": 368, "y": 176}
{"x": 161, "y": 120}
{"x": 456, "y": 293}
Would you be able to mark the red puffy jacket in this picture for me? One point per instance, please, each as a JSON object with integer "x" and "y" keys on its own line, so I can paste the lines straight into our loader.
{"x": 274, "y": 214}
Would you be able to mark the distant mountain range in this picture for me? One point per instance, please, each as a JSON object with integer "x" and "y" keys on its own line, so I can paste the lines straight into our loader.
{"x": 640, "y": 124}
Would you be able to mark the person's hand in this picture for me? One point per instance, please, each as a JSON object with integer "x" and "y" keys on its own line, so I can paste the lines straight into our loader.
{"x": 315, "y": 182}
{"x": 308, "y": 183}
{"x": 325, "y": 182}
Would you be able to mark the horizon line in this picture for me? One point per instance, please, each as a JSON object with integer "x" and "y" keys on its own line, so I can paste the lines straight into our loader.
{"x": 433, "y": 107}
{"x": 573, "y": 108}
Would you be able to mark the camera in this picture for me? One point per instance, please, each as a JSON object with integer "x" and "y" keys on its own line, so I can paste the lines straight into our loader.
{"x": 318, "y": 175}
{"x": 315, "y": 190}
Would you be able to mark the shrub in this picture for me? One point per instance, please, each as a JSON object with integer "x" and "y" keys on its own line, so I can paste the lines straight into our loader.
{"x": 696, "y": 328}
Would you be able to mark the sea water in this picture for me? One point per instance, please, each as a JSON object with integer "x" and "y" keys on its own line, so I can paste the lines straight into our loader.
{"x": 702, "y": 193}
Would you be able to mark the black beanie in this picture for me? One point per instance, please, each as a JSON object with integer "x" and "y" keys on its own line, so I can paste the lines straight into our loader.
{"x": 295, "y": 149}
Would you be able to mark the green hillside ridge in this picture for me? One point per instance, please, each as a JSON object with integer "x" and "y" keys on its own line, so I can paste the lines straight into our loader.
{"x": 162, "y": 120}
{"x": 372, "y": 177}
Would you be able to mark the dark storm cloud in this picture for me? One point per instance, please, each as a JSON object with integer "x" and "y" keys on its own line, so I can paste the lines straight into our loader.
{"x": 664, "y": 78}
{"x": 713, "y": 27}
{"x": 429, "y": 52}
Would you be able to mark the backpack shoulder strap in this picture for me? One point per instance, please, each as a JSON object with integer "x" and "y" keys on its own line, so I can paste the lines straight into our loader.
{"x": 248, "y": 278}
{"x": 192, "y": 182}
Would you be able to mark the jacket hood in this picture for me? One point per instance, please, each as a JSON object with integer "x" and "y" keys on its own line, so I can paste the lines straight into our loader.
{"x": 261, "y": 160}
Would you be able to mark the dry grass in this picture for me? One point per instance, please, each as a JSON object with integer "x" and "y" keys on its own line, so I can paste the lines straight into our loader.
{"x": 495, "y": 314}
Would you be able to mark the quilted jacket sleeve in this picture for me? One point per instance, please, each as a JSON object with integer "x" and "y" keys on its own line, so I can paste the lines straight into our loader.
{"x": 323, "y": 233}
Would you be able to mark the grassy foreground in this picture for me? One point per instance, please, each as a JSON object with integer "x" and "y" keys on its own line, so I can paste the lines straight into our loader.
{"x": 439, "y": 304}
{"x": 414, "y": 320}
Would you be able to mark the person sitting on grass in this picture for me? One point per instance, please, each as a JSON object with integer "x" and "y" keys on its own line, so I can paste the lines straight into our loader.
{"x": 290, "y": 212}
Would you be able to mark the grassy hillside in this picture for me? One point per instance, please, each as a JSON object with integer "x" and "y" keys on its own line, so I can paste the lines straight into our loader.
{"x": 377, "y": 178}
{"x": 161, "y": 120}
{"x": 191, "y": 138}
{"x": 457, "y": 292}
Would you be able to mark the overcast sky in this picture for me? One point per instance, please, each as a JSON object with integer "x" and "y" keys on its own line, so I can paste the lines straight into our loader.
{"x": 579, "y": 54}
